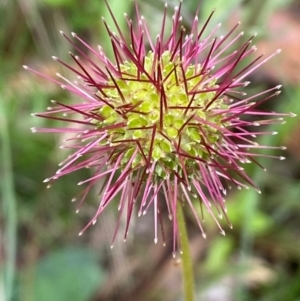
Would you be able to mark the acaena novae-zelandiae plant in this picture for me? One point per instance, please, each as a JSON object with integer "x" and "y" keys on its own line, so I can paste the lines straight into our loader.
{"x": 165, "y": 121}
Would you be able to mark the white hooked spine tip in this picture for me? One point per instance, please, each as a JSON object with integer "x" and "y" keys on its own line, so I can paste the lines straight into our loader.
{"x": 77, "y": 211}
{"x": 112, "y": 246}
{"x": 204, "y": 235}
{"x": 61, "y": 32}
{"x": 46, "y": 180}
{"x": 166, "y": 5}
{"x": 258, "y": 191}
{"x": 281, "y": 158}
{"x": 74, "y": 34}
{"x": 80, "y": 233}
{"x": 73, "y": 200}
{"x": 53, "y": 101}
{"x": 274, "y": 133}
{"x": 55, "y": 58}
{"x": 293, "y": 114}
{"x": 155, "y": 240}
{"x": 278, "y": 51}
{"x": 223, "y": 232}
{"x": 25, "y": 67}
{"x": 94, "y": 222}
{"x": 283, "y": 147}
{"x": 174, "y": 254}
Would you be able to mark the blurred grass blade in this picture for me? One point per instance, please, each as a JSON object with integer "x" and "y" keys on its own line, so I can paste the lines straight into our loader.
{"x": 9, "y": 206}
{"x": 119, "y": 8}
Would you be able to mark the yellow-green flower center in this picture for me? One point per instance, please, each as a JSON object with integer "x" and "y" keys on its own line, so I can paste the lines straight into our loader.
{"x": 168, "y": 103}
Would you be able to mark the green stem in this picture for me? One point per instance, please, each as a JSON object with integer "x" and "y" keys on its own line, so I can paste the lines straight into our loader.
{"x": 186, "y": 258}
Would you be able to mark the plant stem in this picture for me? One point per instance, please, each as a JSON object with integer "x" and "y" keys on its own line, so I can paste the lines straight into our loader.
{"x": 186, "y": 258}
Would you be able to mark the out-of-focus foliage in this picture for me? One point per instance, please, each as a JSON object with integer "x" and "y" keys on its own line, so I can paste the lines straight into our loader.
{"x": 42, "y": 258}
{"x": 67, "y": 274}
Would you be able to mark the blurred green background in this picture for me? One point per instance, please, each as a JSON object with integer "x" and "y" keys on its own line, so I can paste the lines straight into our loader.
{"x": 41, "y": 256}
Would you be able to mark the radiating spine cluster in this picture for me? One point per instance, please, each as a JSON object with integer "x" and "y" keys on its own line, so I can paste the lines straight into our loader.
{"x": 166, "y": 125}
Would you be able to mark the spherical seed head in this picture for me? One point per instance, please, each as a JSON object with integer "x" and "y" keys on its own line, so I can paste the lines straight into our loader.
{"x": 167, "y": 121}
{"x": 164, "y": 125}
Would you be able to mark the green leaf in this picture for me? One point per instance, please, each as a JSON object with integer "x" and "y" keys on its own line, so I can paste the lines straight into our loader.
{"x": 68, "y": 274}
{"x": 257, "y": 223}
{"x": 219, "y": 253}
